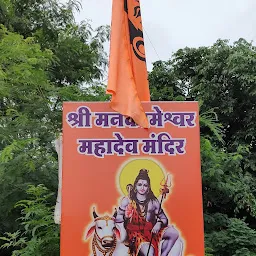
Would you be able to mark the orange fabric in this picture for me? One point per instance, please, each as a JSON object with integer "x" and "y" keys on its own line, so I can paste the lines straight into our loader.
{"x": 128, "y": 82}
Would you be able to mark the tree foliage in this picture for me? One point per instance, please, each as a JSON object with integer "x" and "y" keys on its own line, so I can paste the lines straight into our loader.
{"x": 45, "y": 59}
{"x": 25, "y": 125}
{"x": 78, "y": 49}
{"x": 222, "y": 78}
{"x": 41, "y": 234}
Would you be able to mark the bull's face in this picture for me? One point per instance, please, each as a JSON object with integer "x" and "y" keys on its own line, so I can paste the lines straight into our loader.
{"x": 104, "y": 229}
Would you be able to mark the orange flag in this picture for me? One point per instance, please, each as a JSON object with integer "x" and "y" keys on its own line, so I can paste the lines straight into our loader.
{"x": 128, "y": 78}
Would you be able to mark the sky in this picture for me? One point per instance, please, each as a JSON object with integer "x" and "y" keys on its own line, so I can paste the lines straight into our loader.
{"x": 173, "y": 24}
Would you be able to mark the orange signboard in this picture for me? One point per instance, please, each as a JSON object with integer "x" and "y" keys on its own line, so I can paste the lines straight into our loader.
{"x": 128, "y": 190}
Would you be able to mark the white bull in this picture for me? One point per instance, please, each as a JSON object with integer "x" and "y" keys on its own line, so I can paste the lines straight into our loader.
{"x": 106, "y": 237}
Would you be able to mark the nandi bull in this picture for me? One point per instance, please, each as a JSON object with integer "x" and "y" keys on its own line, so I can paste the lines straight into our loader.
{"x": 106, "y": 236}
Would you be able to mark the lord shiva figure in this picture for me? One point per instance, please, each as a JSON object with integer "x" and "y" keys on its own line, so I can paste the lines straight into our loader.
{"x": 145, "y": 222}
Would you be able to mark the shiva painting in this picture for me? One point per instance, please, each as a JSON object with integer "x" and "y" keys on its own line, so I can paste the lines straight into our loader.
{"x": 139, "y": 226}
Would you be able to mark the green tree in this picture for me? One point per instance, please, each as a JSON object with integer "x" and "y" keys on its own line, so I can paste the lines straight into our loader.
{"x": 222, "y": 78}
{"x": 30, "y": 120}
{"x": 26, "y": 130}
{"x": 163, "y": 84}
{"x": 78, "y": 49}
{"x": 45, "y": 58}
{"x": 41, "y": 235}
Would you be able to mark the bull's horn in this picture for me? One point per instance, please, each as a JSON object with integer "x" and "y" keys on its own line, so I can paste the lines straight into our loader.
{"x": 94, "y": 213}
{"x": 115, "y": 213}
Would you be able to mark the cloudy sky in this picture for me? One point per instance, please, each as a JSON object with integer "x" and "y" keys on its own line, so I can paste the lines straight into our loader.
{"x": 173, "y": 24}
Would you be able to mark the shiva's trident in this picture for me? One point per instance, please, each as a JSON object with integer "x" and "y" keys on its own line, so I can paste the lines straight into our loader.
{"x": 164, "y": 190}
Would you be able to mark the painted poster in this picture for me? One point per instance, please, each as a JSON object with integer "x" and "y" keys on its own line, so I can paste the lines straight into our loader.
{"x": 128, "y": 190}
